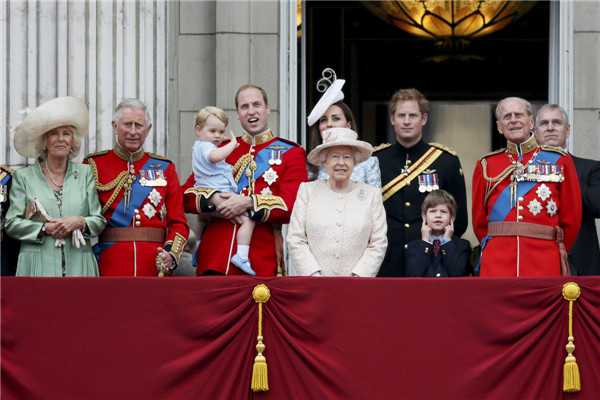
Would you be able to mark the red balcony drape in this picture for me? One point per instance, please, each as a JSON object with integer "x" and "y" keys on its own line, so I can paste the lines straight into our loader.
{"x": 326, "y": 338}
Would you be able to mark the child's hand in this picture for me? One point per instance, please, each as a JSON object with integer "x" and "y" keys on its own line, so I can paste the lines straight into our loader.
{"x": 233, "y": 139}
{"x": 425, "y": 231}
{"x": 449, "y": 230}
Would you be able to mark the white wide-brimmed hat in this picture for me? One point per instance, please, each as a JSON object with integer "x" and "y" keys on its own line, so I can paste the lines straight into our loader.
{"x": 332, "y": 95}
{"x": 335, "y": 137}
{"x": 62, "y": 111}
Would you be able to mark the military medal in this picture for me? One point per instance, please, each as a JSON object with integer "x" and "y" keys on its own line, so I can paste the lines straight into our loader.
{"x": 152, "y": 177}
{"x": 272, "y": 158}
{"x": 551, "y": 207}
{"x": 435, "y": 182}
{"x": 3, "y": 193}
{"x": 163, "y": 213}
{"x": 422, "y": 184}
{"x": 270, "y": 176}
{"x": 155, "y": 197}
{"x": 149, "y": 210}
{"x": 406, "y": 169}
{"x": 278, "y": 159}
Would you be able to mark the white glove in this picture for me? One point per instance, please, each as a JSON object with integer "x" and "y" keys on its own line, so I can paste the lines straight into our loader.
{"x": 59, "y": 242}
{"x": 77, "y": 238}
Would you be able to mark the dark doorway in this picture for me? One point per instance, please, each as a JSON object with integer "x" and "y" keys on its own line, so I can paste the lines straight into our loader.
{"x": 376, "y": 59}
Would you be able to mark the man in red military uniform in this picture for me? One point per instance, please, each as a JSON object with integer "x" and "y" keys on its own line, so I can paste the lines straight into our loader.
{"x": 141, "y": 200}
{"x": 268, "y": 172}
{"x": 526, "y": 201}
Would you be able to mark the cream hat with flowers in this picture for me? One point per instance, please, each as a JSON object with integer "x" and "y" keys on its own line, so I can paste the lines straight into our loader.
{"x": 335, "y": 137}
{"x": 62, "y": 111}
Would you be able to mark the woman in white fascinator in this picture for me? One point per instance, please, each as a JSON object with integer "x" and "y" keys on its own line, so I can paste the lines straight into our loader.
{"x": 331, "y": 112}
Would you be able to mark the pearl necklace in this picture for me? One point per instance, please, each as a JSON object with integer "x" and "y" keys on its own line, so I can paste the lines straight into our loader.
{"x": 52, "y": 178}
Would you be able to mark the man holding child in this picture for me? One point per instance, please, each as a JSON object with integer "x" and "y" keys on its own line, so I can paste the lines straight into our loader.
{"x": 268, "y": 171}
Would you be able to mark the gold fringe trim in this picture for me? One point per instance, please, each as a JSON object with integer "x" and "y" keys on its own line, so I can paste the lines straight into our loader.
{"x": 260, "y": 379}
{"x": 571, "y": 380}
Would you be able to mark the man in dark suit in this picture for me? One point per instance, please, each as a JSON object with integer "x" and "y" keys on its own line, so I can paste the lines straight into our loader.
{"x": 552, "y": 128}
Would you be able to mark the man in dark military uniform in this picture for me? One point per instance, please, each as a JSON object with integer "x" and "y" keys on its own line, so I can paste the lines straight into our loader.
{"x": 553, "y": 128}
{"x": 10, "y": 246}
{"x": 410, "y": 169}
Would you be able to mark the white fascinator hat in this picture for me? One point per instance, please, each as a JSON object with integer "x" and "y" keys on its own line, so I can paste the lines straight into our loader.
{"x": 333, "y": 93}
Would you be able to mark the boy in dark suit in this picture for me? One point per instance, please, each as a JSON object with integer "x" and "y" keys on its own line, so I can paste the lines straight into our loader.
{"x": 439, "y": 253}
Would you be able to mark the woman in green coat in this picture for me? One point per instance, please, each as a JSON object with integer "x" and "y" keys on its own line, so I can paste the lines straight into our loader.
{"x": 66, "y": 191}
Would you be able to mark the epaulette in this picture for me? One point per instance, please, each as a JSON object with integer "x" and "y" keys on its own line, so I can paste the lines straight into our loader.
{"x": 289, "y": 142}
{"x": 493, "y": 153}
{"x": 5, "y": 168}
{"x": 96, "y": 154}
{"x": 381, "y": 147}
{"x": 159, "y": 157}
{"x": 554, "y": 149}
{"x": 442, "y": 147}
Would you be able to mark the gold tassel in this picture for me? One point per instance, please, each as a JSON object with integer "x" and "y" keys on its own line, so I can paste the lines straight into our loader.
{"x": 571, "y": 381}
{"x": 260, "y": 380}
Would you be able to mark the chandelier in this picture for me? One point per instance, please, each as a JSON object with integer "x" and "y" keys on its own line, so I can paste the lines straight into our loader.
{"x": 452, "y": 24}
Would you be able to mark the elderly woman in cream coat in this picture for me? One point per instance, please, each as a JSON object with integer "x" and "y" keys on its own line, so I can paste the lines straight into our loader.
{"x": 58, "y": 242}
{"x": 338, "y": 226}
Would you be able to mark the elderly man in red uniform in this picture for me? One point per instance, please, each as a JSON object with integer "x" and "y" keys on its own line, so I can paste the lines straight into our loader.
{"x": 268, "y": 171}
{"x": 526, "y": 201}
{"x": 146, "y": 229}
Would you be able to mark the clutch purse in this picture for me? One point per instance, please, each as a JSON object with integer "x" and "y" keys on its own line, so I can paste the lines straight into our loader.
{"x": 36, "y": 212}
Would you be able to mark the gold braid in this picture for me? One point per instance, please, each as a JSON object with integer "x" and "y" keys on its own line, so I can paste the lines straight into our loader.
{"x": 241, "y": 165}
{"x": 488, "y": 190}
{"x": 116, "y": 184}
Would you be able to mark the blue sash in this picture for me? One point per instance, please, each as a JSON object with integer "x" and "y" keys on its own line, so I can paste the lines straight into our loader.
{"x": 502, "y": 205}
{"x": 262, "y": 162}
{"x": 5, "y": 179}
{"x": 122, "y": 218}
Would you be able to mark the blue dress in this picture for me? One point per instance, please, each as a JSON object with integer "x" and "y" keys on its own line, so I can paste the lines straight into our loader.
{"x": 367, "y": 172}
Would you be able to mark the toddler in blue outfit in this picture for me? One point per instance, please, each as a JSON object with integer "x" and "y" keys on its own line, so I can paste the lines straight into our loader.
{"x": 212, "y": 171}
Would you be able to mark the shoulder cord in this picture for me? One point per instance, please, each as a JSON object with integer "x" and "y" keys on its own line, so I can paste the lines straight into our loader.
{"x": 499, "y": 178}
{"x": 117, "y": 183}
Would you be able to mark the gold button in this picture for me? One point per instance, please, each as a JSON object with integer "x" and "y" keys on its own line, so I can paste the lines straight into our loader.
{"x": 438, "y": 275}
{"x": 137, "y": 223}
{"x": 407, "y": 204}
{"x": 407, "y": 225}
{"x": 138, "y": 216}
{"x": 405, "y": 246}
{"x": 520, "y": 208}
{"x": 407, "y": 183}
{"x": 520, "y": 218}
{"x": 521, "y": 199}
{"x": 136, "y": 211}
